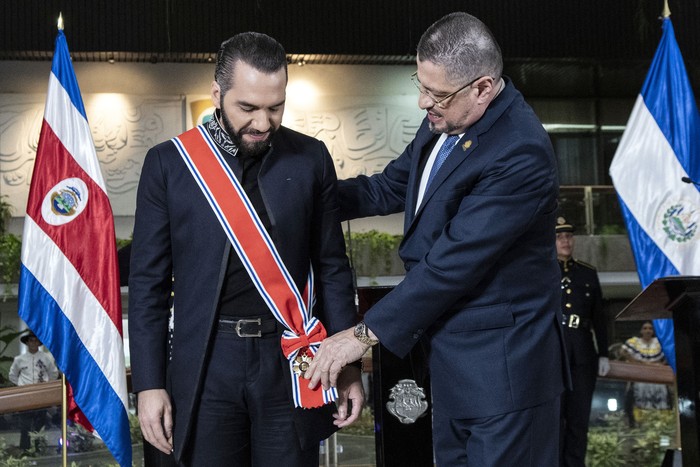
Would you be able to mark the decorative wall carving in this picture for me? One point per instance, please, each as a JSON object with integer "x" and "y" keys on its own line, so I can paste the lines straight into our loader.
{"x": 123, "y": 128}
{"x": 362, "y": 137}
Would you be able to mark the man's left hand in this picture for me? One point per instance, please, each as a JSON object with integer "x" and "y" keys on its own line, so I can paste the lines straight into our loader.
{"x": 349, "y": 390}
{"x": 335, "y": 352}
{"x": 603, "y": 366}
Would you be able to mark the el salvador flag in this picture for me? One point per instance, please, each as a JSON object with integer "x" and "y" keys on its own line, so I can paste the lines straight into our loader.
{"x": 69, "y": 281}
{"x": 658, "y": 148}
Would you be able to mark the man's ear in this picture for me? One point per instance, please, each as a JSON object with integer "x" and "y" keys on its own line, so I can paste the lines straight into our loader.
{"x": 487, "y": 88}
{"x": 216, "y": 94}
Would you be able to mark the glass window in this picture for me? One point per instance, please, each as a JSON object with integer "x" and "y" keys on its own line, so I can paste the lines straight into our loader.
{"x": 609, "y": 142}
{"x": 572, "y": 205}
{"x": 607, "y": 216}
{"x": 577, "y": 156}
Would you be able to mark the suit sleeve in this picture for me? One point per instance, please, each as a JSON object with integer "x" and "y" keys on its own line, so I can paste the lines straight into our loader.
{"x": 150, "y": 278}
{"x": 510, "y": 197}
{"x": 328, "y": 256}
{"x": 383, "y": 193}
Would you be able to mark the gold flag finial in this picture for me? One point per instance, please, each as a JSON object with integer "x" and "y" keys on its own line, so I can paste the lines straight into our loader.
{"x": 667, "y": 11}
{"x": 60, "y": 21}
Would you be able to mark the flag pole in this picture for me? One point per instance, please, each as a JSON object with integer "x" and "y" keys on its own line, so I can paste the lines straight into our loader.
{"x": 64, "y": 398}
{"x": 677, "y": 438}
{"x": 64, "y": 422}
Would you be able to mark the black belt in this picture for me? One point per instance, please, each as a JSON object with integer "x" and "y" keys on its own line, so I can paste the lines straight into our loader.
{"x": 576, "y": 322}
{"x": 248, "y": 327}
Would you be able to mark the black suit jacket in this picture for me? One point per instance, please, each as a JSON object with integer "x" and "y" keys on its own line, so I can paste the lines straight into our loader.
{"x": 176, "y": 233}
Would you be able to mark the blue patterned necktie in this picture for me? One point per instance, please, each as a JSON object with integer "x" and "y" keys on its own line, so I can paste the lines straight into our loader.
{"x": 442, "y": 154}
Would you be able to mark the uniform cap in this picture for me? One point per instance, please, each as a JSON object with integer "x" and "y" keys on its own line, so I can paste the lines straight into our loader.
{"x": 563, "y": 225}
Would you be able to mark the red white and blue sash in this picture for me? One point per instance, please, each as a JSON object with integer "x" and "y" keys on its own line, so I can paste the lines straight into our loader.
{"x": 237, "y": 216}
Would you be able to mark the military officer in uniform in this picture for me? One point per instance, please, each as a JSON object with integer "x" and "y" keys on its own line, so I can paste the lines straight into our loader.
{"x": 585, "y": 334}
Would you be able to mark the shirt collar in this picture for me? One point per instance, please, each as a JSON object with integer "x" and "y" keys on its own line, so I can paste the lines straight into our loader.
{"x": 219, "y": 134}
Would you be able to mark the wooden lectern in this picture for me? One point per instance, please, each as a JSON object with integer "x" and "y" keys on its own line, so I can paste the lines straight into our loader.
{"x": 397, "y": 444}
{"x": 678, "y": 297}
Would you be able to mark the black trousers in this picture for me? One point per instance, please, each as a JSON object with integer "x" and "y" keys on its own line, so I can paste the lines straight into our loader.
{"x": 245, "y": 415}
{"x": 575, "y": 413}
{"x": 30, "y": 422}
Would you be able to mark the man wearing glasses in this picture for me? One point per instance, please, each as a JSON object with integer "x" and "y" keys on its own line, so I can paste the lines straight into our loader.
{"x": 478, "y": 185}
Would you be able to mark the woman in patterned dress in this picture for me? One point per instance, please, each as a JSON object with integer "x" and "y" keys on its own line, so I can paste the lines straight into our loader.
{"x": 646, "y": 349}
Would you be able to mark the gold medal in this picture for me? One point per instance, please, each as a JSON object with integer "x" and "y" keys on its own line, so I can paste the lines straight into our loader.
{"x": 301, "y": 364}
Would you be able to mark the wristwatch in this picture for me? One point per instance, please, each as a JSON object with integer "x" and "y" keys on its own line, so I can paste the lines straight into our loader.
{"x": 362, "y": 334}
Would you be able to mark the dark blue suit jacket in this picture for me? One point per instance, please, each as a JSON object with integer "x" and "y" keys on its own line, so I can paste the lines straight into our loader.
{"x": 176, "y": 233}
{"x": 482, "y": 281}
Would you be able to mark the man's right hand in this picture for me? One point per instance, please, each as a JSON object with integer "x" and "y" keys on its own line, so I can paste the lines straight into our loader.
{"x": 156, "y": 418}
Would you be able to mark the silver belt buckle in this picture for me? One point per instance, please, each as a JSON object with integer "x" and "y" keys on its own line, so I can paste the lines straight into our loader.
{"x": 574, "y": 321}
{"x": 240, "y": 322}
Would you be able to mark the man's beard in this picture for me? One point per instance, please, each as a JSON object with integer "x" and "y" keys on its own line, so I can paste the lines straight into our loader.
{"x": 445, "y": 128}
{"x": 247, "y": 149}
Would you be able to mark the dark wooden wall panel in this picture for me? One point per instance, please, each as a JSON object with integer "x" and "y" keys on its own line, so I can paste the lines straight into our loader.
{"x": 600, "y": 29}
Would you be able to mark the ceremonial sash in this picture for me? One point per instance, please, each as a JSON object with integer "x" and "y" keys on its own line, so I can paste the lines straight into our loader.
{"x": 303, "y": 332}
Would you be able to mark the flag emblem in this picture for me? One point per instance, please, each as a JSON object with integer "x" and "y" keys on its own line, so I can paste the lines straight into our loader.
{"x": 65, "y": 201}
{"x": 679, "y": 223}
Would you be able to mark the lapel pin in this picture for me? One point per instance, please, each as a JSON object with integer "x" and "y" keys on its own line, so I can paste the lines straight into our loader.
{"x": 467, "y": 144}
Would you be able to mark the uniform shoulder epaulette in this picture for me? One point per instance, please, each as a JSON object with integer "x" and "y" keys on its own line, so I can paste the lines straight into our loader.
{"x": 585, "y": 264}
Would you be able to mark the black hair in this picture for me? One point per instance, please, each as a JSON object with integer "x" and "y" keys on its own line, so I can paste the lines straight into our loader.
{"x": 258, "y": 50}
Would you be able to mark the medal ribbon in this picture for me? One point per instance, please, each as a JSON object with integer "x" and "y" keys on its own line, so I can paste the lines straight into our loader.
{"x": 303, "y": 332}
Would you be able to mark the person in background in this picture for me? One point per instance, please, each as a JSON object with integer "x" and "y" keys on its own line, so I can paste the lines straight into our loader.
{"x": 34, "y": 366}
{"x": 645, "y": 349}
{"x": 478, "y": 185}
{"x": 243, "y": 214}
{"x": 586, "y": 337}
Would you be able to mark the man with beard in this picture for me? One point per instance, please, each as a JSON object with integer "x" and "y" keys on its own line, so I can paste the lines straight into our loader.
{"x": 478, "y": 185}
{"x": 243, "y": 214}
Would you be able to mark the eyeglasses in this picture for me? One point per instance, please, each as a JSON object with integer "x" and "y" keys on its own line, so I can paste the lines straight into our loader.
{"x": 441, "y": 102}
